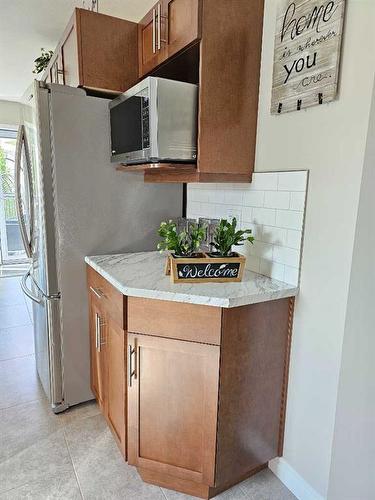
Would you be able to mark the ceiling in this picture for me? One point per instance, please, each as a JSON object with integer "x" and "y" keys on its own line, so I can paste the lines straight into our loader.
{"x": 28, "y": 25}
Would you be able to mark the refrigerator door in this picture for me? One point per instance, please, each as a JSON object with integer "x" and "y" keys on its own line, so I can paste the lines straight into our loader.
{"x": 40, "y": 283}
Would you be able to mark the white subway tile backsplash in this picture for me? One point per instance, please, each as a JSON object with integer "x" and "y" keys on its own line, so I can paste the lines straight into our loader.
{"x": 253, "y": 198}
{"x": 275, "y": 235}
{"x": 263, "y": 181}
{"x": 291, "y": 275}
{"x": 289, "y": 219}
{"x": 264, "y": 216}
{"x": 194, "y": 206}
{"x": 293, "y": 239}
{"x": 287, "y": 256}
{"x": 272, "y": 206}
{"x": 256, "y": 229}
{"x": 233, "y": 197}
{"x": 260, "y": 249}
{"x": 272, "y": 269}
{"x": 247, "y": 214}
{"x": 277, "y": 199}
{"x": 292, "y": 181}
{"x": 297, "y": 201}
{"x": 253, "y": 263}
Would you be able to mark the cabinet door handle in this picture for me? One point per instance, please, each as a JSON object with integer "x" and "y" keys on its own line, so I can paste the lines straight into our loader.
{"x": 159, "y": 26}
{"x": 97, "y": 292}
{"x": 153, "y": 31}
{"x": 132, "y": 372}
{"x": 98, "y": 332}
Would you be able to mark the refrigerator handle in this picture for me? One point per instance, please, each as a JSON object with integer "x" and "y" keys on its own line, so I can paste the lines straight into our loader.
{"x": 22, "y": 141}
{"x": 26, "y": 290}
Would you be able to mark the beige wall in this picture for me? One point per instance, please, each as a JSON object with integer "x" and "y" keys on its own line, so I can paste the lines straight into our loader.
{"x": 353, "y": 457}
{"x": 328, "y": 140}
{"x": 9, "y": 113}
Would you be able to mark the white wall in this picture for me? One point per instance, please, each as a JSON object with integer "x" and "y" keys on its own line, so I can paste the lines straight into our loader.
{"x": 353, "y": 459}
{"x": 9, "y": 113}
{"x": 328, "y": 140}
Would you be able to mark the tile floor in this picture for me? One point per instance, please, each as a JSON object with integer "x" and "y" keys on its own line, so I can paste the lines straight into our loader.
{"x": 72, "y": 455}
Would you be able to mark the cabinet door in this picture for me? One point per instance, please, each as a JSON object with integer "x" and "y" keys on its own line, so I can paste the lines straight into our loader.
{"x": 179, "y": 25}
{"x": 173, "y": 397}
{"x": 70, "y": 57}
{"x": 116, "y": 395}
{"x": 98, "y": 352}
{"x": 148, "y": 52}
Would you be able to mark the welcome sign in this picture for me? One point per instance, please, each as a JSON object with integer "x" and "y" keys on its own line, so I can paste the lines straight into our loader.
{"x": 307, "y": 53}
{"x": 205, "y": 269}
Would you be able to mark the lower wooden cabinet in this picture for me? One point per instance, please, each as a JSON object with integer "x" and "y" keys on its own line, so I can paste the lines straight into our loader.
{"x": 195, "y": 396}
{"x": 173, "y": 397}
{"x": 108, "y": 362}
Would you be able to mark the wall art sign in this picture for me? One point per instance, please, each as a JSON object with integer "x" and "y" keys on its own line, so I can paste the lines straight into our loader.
{"x": 307, "y": 53}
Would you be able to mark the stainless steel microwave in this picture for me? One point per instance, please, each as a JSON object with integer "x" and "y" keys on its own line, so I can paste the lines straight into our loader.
{"x": 155, "y": 121}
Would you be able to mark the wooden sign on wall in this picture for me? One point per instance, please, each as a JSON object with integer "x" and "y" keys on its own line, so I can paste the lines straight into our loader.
{"x": 307, "y": 53}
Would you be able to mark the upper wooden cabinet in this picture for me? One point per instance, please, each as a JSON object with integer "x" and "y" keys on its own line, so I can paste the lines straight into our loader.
{"x": 97, "y": 52}
{"x": 217, "y": 45}
{"x": 171, "y": 25}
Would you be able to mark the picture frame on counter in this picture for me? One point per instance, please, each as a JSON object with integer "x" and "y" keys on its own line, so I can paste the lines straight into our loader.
{"x": 307, "y": 53}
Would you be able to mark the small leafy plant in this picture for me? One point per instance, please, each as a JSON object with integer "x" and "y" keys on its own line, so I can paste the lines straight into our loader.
{"x": 182, "y": 243}
{"x": 226, "y": 236}
{"x": 42, "y": 61}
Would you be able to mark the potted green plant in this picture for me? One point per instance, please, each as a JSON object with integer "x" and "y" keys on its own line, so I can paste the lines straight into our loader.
{"x": 226, "y": 236}
{"x": 184, "y": 243}
{"x": 42, "y": 61}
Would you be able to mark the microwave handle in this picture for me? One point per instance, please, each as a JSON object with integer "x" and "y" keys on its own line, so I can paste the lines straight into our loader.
{"x": 154, "y": 31}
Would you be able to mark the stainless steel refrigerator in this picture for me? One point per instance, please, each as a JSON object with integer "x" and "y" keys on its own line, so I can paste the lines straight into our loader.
{"x": 72, "y": 202}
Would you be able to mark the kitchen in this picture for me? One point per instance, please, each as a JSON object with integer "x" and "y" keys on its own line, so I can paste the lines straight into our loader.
{"x": 101, "y": 214}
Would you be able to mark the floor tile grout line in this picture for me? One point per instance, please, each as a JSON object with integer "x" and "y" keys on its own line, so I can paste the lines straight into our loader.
{"x": 13, "y": 327}
{"x": 17, "y": 326}
{"x": 72, "y": 462}
{"x": 18, "y": 357}
{"x": 165, "y": 496}
{"x": 27, "y": 307}
{"x": 24, "y": 356}
{"x": 20, "y": 404}
{"x": 15, "y": 488}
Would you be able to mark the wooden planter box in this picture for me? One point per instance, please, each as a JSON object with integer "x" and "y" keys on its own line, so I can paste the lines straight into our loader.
{"x": 205, "y": 269}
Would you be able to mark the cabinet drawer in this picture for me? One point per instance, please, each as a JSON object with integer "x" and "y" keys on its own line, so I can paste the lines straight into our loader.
{"x": 162, "y": 318}
{"x": 111, "y": 300}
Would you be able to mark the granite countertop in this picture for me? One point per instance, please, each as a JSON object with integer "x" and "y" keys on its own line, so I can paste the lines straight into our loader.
{"x": 142, "y": 275}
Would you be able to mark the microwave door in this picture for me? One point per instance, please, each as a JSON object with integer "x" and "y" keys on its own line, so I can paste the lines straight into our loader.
{"x": 129, "y": 130}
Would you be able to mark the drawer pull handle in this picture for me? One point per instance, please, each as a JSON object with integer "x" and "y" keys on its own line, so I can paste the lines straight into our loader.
{"x": 97, "y": 292}
{"x": 131, "y": 373}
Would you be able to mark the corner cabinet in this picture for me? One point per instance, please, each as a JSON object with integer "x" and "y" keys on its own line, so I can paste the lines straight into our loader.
{"x": 96, "y": 52}
{"x": 108, "y": 340}
{"x": 195, "y": 395}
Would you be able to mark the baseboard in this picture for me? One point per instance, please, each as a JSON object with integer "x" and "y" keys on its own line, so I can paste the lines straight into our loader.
{"x": 292, "y": 480}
